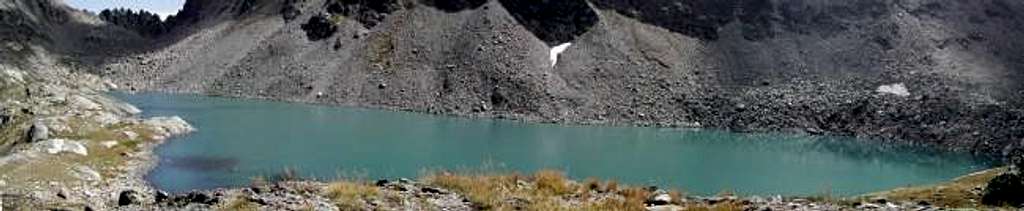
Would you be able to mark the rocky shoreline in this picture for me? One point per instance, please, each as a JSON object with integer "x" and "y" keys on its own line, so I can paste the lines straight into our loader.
{"x": 68, "y": 144}
{"x": 74, "y": 128}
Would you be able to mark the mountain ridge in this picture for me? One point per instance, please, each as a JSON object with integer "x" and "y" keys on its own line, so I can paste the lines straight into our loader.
{"x": 752, "y": 65}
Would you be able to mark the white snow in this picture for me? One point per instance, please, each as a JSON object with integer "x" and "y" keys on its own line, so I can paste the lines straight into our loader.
{"x": 895, "y": 89}
{"x": 558, "y": 50}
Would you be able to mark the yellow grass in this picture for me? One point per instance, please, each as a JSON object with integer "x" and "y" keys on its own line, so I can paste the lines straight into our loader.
{"x": 350, "y": 195}
{"x": 958, "y": 193}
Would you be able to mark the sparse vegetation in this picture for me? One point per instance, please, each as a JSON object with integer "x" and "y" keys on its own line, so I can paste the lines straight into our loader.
{"x": 544, "y": 190}
{"x": 350, "y": 195}
{"x": 963, "y": 192}
{"x": 239, "y": 204}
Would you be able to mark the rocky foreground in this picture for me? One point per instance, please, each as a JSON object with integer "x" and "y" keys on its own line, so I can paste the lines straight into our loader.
{"x": 64, "y": 143}
{"x": 545, "y": 190}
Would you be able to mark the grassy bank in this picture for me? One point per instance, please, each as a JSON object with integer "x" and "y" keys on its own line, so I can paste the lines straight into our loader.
{"x": 552, "y": 190}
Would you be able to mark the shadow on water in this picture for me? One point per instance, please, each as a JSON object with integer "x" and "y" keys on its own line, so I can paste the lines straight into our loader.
{"x": 202, "y": 163}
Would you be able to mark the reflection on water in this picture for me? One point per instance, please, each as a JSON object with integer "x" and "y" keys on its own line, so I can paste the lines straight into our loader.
{"x": 259, "y": 138}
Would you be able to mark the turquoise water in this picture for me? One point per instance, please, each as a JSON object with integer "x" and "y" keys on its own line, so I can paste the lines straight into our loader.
{"x": 238, "y": 140}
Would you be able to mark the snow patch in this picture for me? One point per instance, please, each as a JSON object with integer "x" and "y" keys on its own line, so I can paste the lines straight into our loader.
{"x": 895, "y": 89}
{"x": 555, "y": 51}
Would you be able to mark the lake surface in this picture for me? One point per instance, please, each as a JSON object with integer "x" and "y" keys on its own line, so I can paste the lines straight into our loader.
{"x": 238, "y": 140}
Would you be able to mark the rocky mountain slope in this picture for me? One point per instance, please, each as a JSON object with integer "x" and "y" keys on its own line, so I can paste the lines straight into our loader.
{"x": 938, "y": 72}
{"x": 63, "y": 142}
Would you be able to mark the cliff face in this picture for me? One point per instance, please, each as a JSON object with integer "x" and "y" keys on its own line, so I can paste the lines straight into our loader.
{"x": 940, "y": 72}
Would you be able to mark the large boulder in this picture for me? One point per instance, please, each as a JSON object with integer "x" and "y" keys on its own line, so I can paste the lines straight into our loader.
{"x": 38, "y": 132}
{"x": 128, "y": 197}
{"x": 57, "y": 146}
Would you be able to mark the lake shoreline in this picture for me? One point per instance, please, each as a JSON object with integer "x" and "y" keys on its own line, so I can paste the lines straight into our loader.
{"x": 263, "y": 198}
{"x": 130, "y": 190}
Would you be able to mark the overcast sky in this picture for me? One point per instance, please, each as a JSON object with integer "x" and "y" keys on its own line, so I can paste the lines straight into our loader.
{"x": 160, "y": 7}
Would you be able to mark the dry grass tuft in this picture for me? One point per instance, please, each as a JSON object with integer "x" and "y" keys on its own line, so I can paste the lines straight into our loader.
{"x": 239, "y": 204}
{"x": 482, "y": 190}
{"x": 552, "y": 182}
{"x": 635, "y": 194}
{"x": 350, "y": 195}
{"x": 958, "y": 193}
{"x": 615, "y": 204}
{"x": 611, "y": 186}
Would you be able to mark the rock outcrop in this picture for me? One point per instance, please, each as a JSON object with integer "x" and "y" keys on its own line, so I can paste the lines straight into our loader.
{"x": 1007, "y": 189}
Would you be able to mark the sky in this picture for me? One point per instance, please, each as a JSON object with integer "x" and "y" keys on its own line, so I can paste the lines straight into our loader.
{"x": 160, "y": 7}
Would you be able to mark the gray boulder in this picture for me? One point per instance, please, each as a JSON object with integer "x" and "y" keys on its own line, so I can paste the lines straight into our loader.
{"x": 660, "y": 197}
{"x": 38, "y": 132}
{"x": 57, "y": 146}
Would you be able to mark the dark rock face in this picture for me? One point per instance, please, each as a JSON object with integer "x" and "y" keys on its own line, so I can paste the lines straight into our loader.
{"x": 553, "y": 21}
{"x": 319, "y": 27}
{"x": 454, "y": 5}
{"x": 693, "y": 18}
{"x": 1006, "y": 189}
{"x": 759, "y": 18}
{"x": 369, "y": 13}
